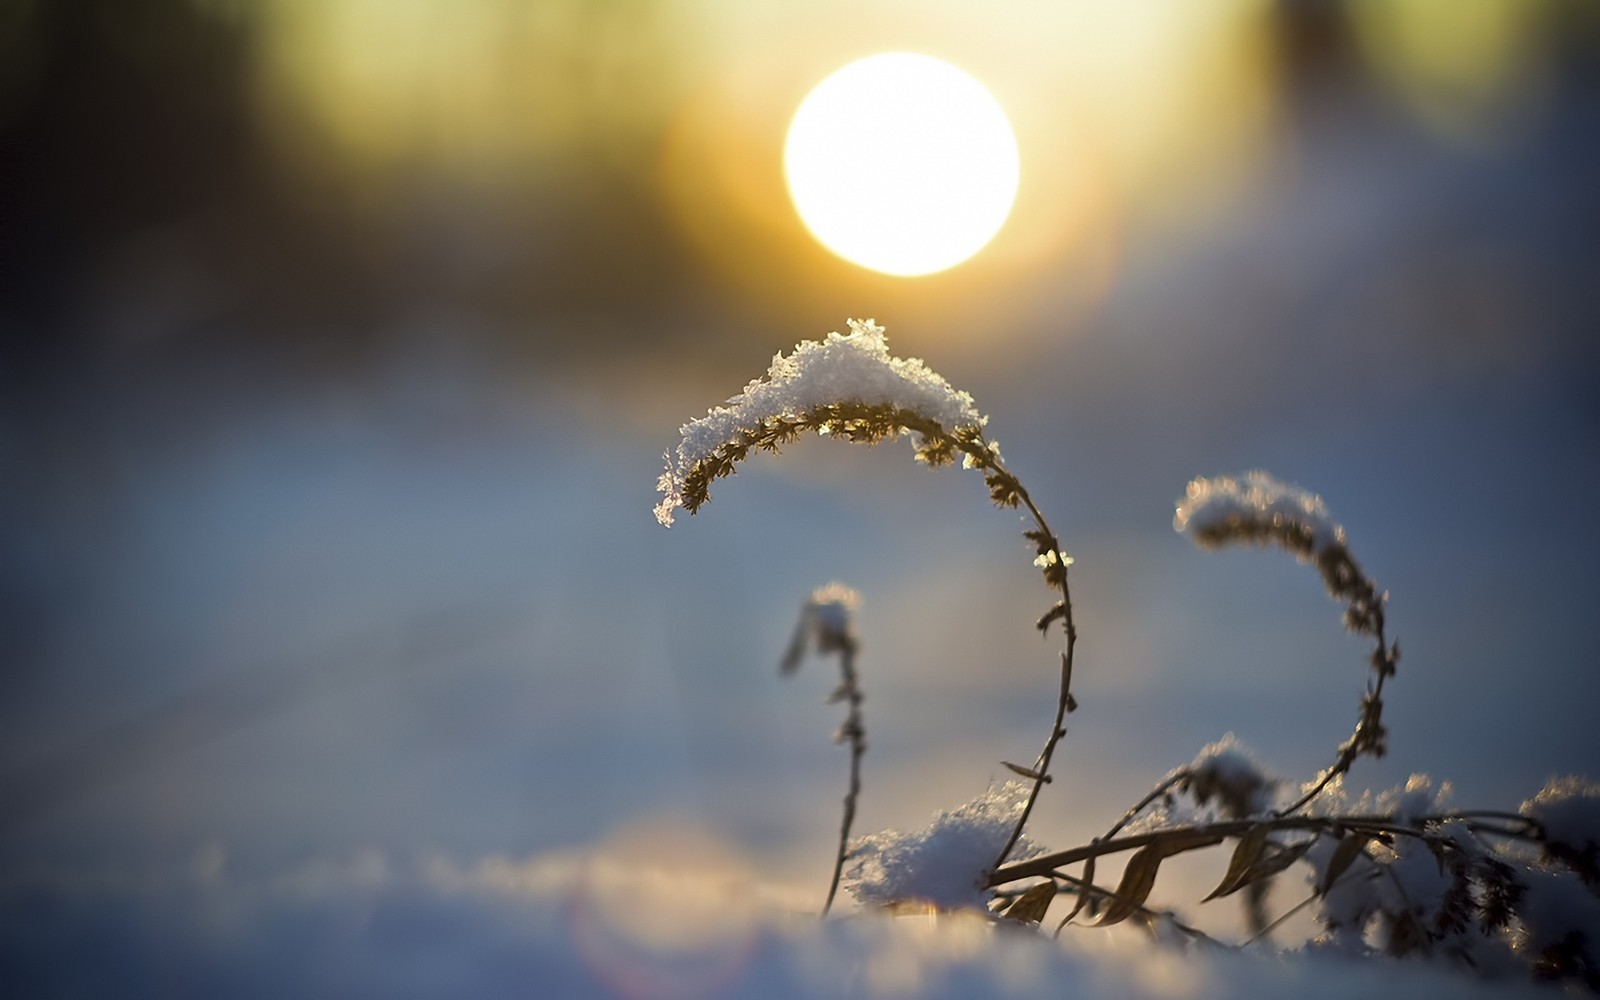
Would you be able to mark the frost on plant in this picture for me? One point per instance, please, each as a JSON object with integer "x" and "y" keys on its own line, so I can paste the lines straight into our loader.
{"x": 1227, "y": 772}
{"x": 1568, "y": 811}
{"x": 945, "y": 864}
{"x": 1399, "y": 874}
{"x": 827, "y": 623}
{"x": 1257, "y": 507}
{"x": 846, "y": 386}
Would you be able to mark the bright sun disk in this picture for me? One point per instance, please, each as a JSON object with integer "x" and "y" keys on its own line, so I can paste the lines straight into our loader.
{"x": 901, "y": 163}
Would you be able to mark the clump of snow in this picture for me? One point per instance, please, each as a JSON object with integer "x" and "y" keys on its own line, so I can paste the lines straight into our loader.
{"x": 1569, "y": 811}
{"x": 853, "y": 368}
{"x": 946, "y": 863}
{"x": 1417, "y": 798}
{"x": 827, "y": 620}
{"x": 1257, "y": 507}
{"x": 1558, "y": 913}
{"x": 1227, "y": 771}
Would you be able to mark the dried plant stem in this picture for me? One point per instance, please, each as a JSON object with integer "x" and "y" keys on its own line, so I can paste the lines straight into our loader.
{"x": 1368, "y": 736}
{"x": 1157, "y": 792}
{"x": 1377, "y": 825}
{"x": 1281, "y": 918}
{"x": 855, "y": 730}
{"x": 1007, "y": 490}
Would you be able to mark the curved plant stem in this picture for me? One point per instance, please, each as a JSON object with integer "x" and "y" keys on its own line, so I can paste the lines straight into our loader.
{"x": 1006, "y": 489}
{"x": 1368, "y": 735}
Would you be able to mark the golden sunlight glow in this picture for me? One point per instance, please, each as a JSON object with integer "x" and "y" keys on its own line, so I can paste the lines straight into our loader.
{"x": 1462, "y": 66}
{"x": 901, "y": 163}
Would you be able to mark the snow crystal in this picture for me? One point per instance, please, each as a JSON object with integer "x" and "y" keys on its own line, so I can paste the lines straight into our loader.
{"x": 946, "y": 863}
{"x": 1255, "y": 504}
{"x": 845, "y": 368}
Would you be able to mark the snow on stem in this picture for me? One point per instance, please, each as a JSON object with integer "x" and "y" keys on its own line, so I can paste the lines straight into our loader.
{"x": 848, "y": 386}
{"x": 1257, "y": 509}
{"x": 827, "y": 622}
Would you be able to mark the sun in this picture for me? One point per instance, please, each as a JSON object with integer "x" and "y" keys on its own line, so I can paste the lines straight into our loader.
{"x": 901, "y": 163}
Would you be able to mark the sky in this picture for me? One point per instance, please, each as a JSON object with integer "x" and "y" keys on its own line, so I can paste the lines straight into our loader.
{"x": 342, "y": 342}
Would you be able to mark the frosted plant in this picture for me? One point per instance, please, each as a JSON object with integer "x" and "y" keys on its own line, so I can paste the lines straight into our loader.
{"x": 847, "y": 386}
{"x": 1257, "y": 509}
{"x": 827, "y": 621}
{"x": 1400, "y": 874}
{"x": 1228, "y": 772}
{"x": 1568, "y": 811}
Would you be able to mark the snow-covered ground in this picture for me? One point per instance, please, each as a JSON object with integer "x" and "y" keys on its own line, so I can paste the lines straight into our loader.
{"x": 626, "y": 924}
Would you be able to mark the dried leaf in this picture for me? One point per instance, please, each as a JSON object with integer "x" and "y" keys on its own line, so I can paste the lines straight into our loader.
{"x": 1274, "y": 860}
{"x": 1350, "y": 847}
{"x": 1245, "y": 854}
{"x": 1026, "y": 772}
{"x": 1058, "y": 611}
{"x": 1030, "y": 907}
{"x": 1140, "y": 875}
{"x": 1137, "y": 881}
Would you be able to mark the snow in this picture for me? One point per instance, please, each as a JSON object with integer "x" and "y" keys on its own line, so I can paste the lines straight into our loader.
{"x": 827, "y": 622}
{"x": 844, "y": 368}
{"x": 945, "y": 863}
{"x": 596, "y": 926}
{"x": 1228, "y": 771}
{"x": 832, "y": 610}
{"x": 1559, "y": 911}
{"x": 1257, "y": 505}
{"x": 1569, "y": 810}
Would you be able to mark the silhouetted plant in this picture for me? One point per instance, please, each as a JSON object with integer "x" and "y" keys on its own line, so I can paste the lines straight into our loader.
{"x": 1402, "y": 874}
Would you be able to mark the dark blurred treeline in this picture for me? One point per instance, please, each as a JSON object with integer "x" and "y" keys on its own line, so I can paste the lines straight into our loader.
{"x": 157, "y": 196}
{"x": 144, "y": 203}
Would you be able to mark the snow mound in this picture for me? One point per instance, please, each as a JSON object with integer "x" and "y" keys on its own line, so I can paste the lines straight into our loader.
{"x": 946, "y": 863}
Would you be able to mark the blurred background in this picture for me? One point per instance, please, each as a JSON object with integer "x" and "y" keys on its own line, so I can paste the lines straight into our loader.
{"x": 342, "y": 339}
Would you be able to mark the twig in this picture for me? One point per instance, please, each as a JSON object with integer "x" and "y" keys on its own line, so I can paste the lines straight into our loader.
{"x": 1155, "y": 793}
{"x": 855, "y": 729}
{"x": 1007, "y": 490}
{"x": 1285, "y": 915}
{"x": 1364, "y": 614}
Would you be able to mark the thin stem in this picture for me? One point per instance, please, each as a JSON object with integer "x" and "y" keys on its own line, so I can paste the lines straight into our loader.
{"x": 1139, "y": 807}
{"x": 855, "y": 729}
{"x": 1285, "y": 915}
{"x": 1003, "y": 483}
{"x": 1355, "y": 746}
{"x": 1368, "y": 735}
